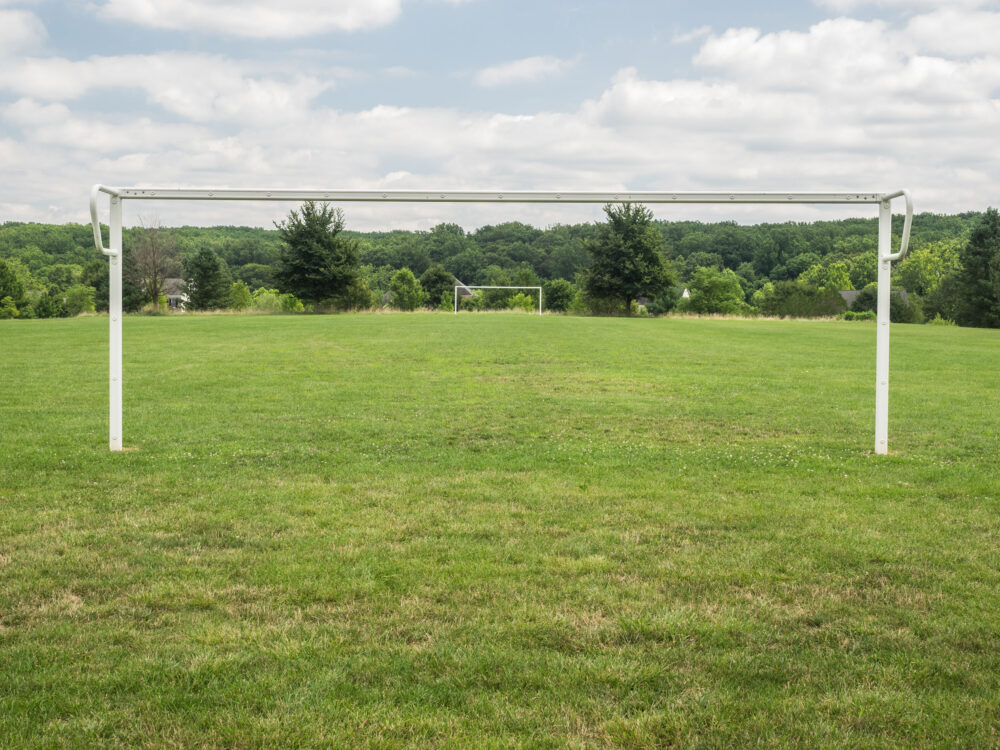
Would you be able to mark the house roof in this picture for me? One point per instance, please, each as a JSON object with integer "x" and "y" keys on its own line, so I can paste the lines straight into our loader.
{"x": 174, "y": 287}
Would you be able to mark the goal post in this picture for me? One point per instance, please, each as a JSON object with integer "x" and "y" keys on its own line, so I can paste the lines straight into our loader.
{"x": 478, "y": 286}
{"x": 118, "y": 196}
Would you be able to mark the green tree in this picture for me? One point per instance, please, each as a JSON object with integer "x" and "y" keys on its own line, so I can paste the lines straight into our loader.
{"x": 357, "y": 296}
{"x": 266, "y": 300}
{"x": 923, "y": 270}
{"x": 95, "y": 274}
{"x": 558, "y": 295}
{"x": 436, "y": 281}
{"x": 271, "y": 300}
{"x": 830, "y": 277}
{"x": 406, "y": 291}
{"x": 151, "y": 258}
{"x": 255, "y": 275}
{"x": 714, "y": 292}
{"x": 522, "y": 301}
{"x": 239, "y": 296}
{"x": 317, "y": 262}
{"x": 802, "y": 262}
{"x": 49, "y": 304}
{"x": 979, "y": 302}
{"x": 625, "y": 255}
{"x": 79, "y": 298}
{"x": 900, "y": 310}
{"x": 208, "y": 281}
{"x": 863, "y": 268}
{"x": 798, "y": 299}
{"x": 377, "y": 279}
{"x": 61, "y": 275}
{"x": 7, "y": 308}
{"x": 10, "y": 285}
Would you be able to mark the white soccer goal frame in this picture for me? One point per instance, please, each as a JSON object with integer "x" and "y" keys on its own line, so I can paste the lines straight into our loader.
{"x": 482, "y": 286}
{"x": 118, "y": 196}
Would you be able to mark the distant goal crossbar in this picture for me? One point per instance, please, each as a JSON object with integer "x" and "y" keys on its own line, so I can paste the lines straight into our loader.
{"x": 484, "y": 286}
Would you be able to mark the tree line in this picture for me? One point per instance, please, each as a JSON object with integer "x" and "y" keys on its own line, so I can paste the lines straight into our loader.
{"x": 627, "y": 264}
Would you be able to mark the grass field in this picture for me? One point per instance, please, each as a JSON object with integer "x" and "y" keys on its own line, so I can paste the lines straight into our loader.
{"x": 498, "y": 530}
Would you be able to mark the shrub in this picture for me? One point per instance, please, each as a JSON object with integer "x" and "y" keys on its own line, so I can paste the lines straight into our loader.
{"x": 407, "y": 294}
{"x": 865, "y": 315}
{"x": 266, "y": 300}
{"x": 271, "y": 300}
{"x": 522, "y": 301}
{"x": 357, "y": 296}
{"x": 937, "y": 320}
{"x": 239, "y": 296}
{"x": 474, "y": 303}
{"x": 7, "y": 308}
{"x": 78, "y": 299}
{"x": 900, "y": 310}
{"x": 714, "y": 292}
{"x": 664, "y": 302}
{"x": 290, "y": 303}
{"x": 798, "y": 299}
{"x": 558, "y": 295}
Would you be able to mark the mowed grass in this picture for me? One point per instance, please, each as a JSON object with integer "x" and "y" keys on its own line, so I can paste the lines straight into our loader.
{"x": 498, "y": 531}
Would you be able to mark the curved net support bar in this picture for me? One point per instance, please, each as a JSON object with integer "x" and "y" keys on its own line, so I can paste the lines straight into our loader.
{"x": 95, "y": 221}
{"x": 904, "y": 242}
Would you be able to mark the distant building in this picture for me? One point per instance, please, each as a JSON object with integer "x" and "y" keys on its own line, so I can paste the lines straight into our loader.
{"x": 176, "y": 293}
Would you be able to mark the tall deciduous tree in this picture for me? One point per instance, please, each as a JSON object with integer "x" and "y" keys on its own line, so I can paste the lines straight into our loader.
{"x": 317, "y": 262}
{"x": 208, "y": 281}
{"x": 625, "y": 254}
{"x": 153, "y": 258}
{"x": 979, "y": 301}
{"x": 925, "y": 269}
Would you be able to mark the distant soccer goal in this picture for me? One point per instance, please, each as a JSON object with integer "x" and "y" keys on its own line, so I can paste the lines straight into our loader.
{"x": 473, "y": 286}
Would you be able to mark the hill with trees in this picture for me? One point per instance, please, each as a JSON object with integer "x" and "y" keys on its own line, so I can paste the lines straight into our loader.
{"x": 785, "y": 269}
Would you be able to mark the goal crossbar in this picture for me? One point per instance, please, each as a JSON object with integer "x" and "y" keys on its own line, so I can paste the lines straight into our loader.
{"x": 118, "y": 196}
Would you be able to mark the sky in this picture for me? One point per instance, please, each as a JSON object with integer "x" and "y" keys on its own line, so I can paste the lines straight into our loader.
{"x": 561, "y": 95}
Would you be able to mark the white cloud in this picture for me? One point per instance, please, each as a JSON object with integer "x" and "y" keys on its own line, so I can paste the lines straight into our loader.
{"x": 951, "y": 31}
{"x": 197, "y": 87}
{"x": 693, "y": 35}
{"x": 525, "y": 70}
{"x": 847, "y": 6}
{"x": 851, "y": 61}
{"x": 254, "y": 18}
{"x": 844, "y": 105}
{"x": 19, "y": 30}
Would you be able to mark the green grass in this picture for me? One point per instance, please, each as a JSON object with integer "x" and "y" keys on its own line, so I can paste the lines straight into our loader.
{"x": 500, "y": 531}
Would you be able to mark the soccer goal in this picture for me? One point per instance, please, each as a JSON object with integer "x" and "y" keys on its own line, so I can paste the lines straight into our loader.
{"x": 474, "y": 286}
{"x": 118, "y": 196}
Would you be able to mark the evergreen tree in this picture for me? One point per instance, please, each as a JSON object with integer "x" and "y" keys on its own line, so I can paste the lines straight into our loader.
{"x": 625, "y": 254}
{"x": 437, "y": 281}
{"x": 208, "y": 281}
{"x": 317, "y": 262}
{"x": 979, "y": 300}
